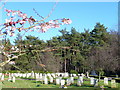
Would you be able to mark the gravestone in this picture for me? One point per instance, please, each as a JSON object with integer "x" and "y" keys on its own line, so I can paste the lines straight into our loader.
{"x": 113, "y": 84}
{"x": 28, "y": 75}
{"x": 51, "y": 79}
{"x": 37, "y": 77}
{"x": 72, "y": 80}
{"x": 87, "y": 74}
{"x": 10, "y": 77}
{"x": 48, "y": 74}
{"x": 78, "y": 82}
{"x": 24, "y": 75}
{"x": 92, "y": 80}
{"x": 68, "y": 81}
{"x": 74, "y": 75}
{"x": 2, "y": 77}
{"x": 62, "y": 82}
{"x": 81, "y": 79}
{"x": 32, "y": 74}
{"x": 83, "y": 75}
{"x": 105, "y": 81}
{"x": 40, "y": 77}
{"x": 13, "y": 79}
{"x": 57, "y": 81}
{"x": 45, "y": 80}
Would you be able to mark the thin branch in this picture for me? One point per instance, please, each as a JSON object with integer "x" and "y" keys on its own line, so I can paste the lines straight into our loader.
{"x": 44, "y": 18}
{"x": 9, "y": 59}
{"x": 38, "y": 14}
{"x": 3, "y": 4}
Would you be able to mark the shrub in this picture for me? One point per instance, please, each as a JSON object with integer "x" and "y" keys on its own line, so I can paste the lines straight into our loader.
{"x": 73, "y": 72}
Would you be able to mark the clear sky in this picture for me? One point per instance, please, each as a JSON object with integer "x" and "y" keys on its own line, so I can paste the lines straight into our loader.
{"x": 82, "y": 14}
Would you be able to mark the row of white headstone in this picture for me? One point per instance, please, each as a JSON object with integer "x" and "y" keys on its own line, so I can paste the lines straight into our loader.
{"x": 33, "y": 75}
{"x": 11, "y": 78}
{"x": 56, "y": 78}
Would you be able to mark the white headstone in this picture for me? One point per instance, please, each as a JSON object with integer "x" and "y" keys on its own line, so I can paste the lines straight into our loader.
{"x": 78, "y": 82}
{"x": 27, "y": 75}
{"x": 10, "y": 77}
{"x": 68, "y": 81}
{"x": 24, "y": 75}
{"x": 32, "y": 74}
{"x": 0, "y": 74}
{"x": 87, "y": 74}
{"x": 81, "y": 79}
{"x": 113, "y": 84}
{"x": 13, "y": 79}
{"x": 74, "y": 75}
{"x": 2, "y": 77}
{"x": 62, "y": 82}
{"x": 51, "y": 79}
{"x": 57, "y": 81}
{"x": 92, "y": 80}
{"x": 37, "y": 77}
{"x": 45, "y": 80}
{"x": 105, "y": 81}
{"x": 83, "y": 75}
{"x": 72, "y": 79}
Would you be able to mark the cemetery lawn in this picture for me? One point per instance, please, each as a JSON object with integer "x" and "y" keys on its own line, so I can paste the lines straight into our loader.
{"x": 23, "y": 83}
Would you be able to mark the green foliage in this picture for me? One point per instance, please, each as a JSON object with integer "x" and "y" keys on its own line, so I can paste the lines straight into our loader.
{"x": 73, "y": 72}
{"x": 72, "y": 51}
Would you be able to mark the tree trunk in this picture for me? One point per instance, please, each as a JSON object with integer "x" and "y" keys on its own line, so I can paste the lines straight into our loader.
{"x": 65, "y": 65}
{"x": 99, "y": 76}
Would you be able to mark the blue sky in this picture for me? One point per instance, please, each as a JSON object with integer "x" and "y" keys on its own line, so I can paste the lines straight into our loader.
{"x": 82, "y": 14}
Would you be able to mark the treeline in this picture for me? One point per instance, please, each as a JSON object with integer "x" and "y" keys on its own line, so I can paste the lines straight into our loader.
{"x": 71, "y": 52}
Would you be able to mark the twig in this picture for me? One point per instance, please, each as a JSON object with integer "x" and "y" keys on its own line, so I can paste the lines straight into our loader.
{"x": 9, "y": 59}
{"x": 3, "y": 4}
{"x": 38, "y": 13}
{"x": 44, "y": 18}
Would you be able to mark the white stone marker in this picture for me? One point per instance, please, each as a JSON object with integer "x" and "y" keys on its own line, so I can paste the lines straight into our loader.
{"x": 105, "y": 81}
{"x": 87, "y": 74}
{"x": 2, "y": 77}
{"x": 72, "y": 79}
{"x": 51, "y": 79}
{"x": 27, "y": 75}
{"x": 10, "y": 77}
{"x": 45, "y": 80}
{"x": 62, "y": 82}
{"x": 40, "y": 77}
{"x": 113, "y": 84}
{"x": 92, "y": 80}
{"x": 13, "y": 79}
{"x": 37, "y": 77}
{"x": 78, "y": 82}
{"x": 68, "y": 81}
{"x": 0, "y": 74}
{"x": 57, "y": 81}
{"x": 81, "y": 79}
{"x": 32, "y": 74}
